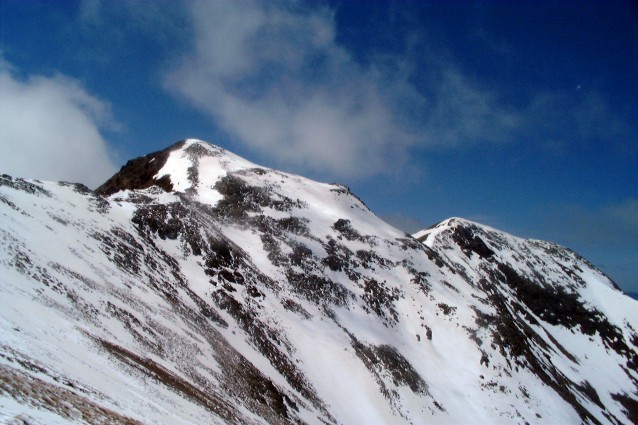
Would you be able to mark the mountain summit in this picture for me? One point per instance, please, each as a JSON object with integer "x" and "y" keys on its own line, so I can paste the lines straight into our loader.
{"x": 189, "y": 164}
{"x": 194, "y": 287}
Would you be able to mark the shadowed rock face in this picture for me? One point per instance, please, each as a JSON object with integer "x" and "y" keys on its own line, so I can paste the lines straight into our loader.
{"x": 140, "y": 173}
{"x": 239, "y": 294}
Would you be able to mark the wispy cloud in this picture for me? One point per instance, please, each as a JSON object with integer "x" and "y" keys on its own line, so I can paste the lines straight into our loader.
{"x": 559, "y": 119}
{"x": 50, "y": 129}
{"x": 462, "y": 114}
{"x": 272, "y": 75}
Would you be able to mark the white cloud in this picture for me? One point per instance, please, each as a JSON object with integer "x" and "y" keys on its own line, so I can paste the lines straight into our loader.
{"x": 463, "y": 114}
{"x": 561, "y": 118}
{"x": 272, "y": 75}
{"x": 50, "y": 129}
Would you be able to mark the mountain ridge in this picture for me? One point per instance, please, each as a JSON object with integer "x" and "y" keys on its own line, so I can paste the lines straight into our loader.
{"x": 234, "y": 293}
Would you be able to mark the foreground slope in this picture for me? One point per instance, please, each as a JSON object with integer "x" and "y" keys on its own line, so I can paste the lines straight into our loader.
{"x": 197, "y": 287}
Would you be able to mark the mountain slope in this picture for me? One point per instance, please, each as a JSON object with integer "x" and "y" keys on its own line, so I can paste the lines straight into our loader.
{"x": 197, "y": 287}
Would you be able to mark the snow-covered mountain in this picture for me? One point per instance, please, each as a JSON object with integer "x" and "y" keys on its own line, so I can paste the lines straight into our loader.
{"x": 195, "y": 287}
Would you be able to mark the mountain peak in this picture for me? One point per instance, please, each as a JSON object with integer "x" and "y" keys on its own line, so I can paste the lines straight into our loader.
{"x": 184, "y": 165}
{"x": 233, "y": 293}
{"x": 140, "y": 173}
{"x": 447, "y": 224}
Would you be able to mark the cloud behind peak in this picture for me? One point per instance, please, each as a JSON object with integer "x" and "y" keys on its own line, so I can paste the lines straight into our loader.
{"x": 272, "y": 75}
{"x": 50, "y": 128}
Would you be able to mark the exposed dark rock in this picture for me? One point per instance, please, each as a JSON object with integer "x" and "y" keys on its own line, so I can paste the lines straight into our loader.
{"x": 318, "y": 289}
{"x": 345, "y": 228}
{"x": 240, "y": 198}
{"x": 23, "y": 185}
{"x": 379, "y": 298}
{"x": 470, "y": 242}
{"x": 557, "y": 306}
{"x": 518, "y": 341}
{"x": 339, "y": 257}
{"x": 630, "y": 403}
{"x": 139, "y": 173}
{"x": 446, "y": 309}
{"x": 300, "y": 255}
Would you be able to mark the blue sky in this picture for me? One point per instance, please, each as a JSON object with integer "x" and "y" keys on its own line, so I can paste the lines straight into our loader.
{"x": 520, "y": 115}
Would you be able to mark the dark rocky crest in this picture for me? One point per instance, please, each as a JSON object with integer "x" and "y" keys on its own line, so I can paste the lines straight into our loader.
{"x": 139, "y": 173}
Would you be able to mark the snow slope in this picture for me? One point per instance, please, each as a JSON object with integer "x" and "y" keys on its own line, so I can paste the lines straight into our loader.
{"x": 195, "y": 287}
